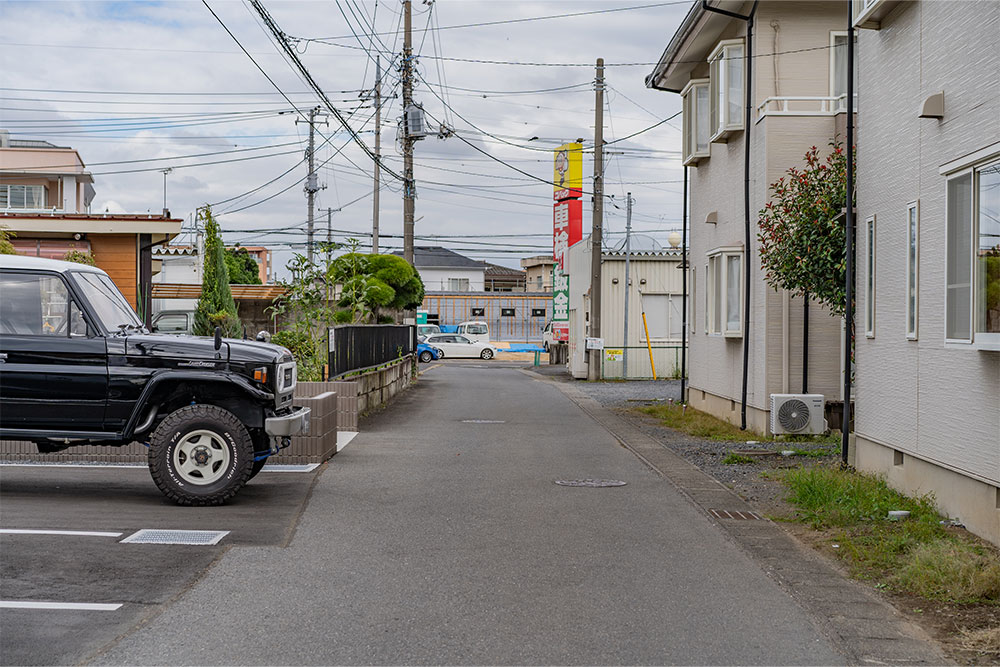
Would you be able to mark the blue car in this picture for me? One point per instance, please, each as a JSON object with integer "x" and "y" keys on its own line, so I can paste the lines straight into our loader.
{"x": 427, "y": 353}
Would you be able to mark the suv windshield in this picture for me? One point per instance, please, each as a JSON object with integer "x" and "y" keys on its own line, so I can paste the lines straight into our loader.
{"x": 109, "y": 305}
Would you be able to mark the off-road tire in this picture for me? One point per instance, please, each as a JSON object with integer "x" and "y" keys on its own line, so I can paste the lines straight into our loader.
{"x": 261, "y": 445}
{"x": 426, "y": 356}
{"x": 235, "y": 447}
{"x": 486, "y": 355}
{"x": 257, "y": 465}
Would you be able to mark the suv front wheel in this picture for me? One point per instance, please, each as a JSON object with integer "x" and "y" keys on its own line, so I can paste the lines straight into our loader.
{"x": 200, "y": 455}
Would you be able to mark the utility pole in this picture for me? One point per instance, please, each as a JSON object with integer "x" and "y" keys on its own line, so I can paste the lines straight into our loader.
{"x": 378, "y": 149}
{"x": 596, "y": 244}
{"x": 628, "y": 278}
{"x": 329, "y": 232}
{"x": 408, "y": 186}
{"x": 312, "y": 186}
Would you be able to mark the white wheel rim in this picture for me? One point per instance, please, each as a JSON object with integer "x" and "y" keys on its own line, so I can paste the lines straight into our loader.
{"x": 201, "y": 457}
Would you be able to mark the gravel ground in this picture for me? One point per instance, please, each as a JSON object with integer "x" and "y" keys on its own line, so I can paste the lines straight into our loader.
{"x": 748, "y": 480}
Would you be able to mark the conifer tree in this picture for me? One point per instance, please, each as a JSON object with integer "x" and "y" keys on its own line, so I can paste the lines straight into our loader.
{"x": 216, "y": 307}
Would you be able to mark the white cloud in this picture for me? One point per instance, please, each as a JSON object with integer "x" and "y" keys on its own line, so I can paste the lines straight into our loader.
{"x": 169, "y": 48}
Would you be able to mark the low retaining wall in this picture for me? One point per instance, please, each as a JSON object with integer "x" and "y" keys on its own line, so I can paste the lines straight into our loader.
{"x": 336, "y": 407}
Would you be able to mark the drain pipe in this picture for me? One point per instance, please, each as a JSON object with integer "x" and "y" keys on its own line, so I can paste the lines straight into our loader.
{"x": 805, "y": 343}
{"x": 848, "y": 243}
{"x": 746, "y": 195}
{"x": 684, "y": 287}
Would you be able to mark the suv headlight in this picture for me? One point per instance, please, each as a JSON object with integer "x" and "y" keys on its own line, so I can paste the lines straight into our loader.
{"x": 287, "y": 376}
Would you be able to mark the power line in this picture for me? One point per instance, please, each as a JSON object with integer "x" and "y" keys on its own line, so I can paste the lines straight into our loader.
{"x": 283, "y": 42}
{"x": 536, "y": 18}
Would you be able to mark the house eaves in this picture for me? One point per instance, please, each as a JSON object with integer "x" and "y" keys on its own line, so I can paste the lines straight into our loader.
{"x": 690, "y": 46}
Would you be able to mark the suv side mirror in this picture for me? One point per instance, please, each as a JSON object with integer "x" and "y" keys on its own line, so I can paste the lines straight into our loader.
{"x": 218, "y": 338}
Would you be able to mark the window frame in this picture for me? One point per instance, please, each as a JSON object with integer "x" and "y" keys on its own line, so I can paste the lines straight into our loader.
{"x": 912, "y": 270}
{"x": 7, "y": 205}
{"x": 871, "y": 231}
{"x": 969, "y": 168}
{"x": 719, "y": 293}
{"x": 718, "y": 97}
{"x": 692, "y": 118}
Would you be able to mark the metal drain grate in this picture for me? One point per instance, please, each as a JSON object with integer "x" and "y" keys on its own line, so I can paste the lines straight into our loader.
{"x": 483, "y": 421}
{"x": 591, "y": 483}
{"x": 745, "y": 515}
{"x": 201, "y": 538}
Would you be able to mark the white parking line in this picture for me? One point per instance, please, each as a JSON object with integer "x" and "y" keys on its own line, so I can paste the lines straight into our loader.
{"x": 53, "y": 464}
{"x": 73, "y": 606}
{"x": 74, "y": 533}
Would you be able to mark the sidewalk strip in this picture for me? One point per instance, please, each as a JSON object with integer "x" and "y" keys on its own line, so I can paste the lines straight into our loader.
{"x": 73, "y": 533}
{"x": 71, "y": 606}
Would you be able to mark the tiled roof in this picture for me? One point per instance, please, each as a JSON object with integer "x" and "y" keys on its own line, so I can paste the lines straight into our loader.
{"x": 438, "y": 257}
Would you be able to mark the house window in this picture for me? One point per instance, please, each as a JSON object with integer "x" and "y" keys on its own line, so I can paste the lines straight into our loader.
{"x": 663, "y": 316}
{"x": 912, "y": 269}
{"x": 506, "y": 312}
{"x": 478, "y": 312}
{"x": 23, "y": 196}
{"x": 538, "y": 312}
{"x": 696, "y": 121}
{"x": 870, "y": 277}
{"x": 838, "y": 71}
{"x": 726, "y": 88}
{"x": 458, "y": 284}
{"x": 724, "y": 293}
{"x": 972, "y": 308}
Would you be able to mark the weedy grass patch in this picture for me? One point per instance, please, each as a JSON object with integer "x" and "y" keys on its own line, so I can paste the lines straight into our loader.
{"x": 732, "y": 458}
{"x": 696, "y": 423}
{"x": 915, "y": 555}
{"x": 703, "y": 425}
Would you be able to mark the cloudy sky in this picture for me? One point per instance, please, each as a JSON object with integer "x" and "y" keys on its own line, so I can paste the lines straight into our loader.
{"x": 137, "y": 87}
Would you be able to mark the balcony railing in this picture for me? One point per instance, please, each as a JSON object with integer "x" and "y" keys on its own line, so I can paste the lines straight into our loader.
{"x": 804, "y": 106}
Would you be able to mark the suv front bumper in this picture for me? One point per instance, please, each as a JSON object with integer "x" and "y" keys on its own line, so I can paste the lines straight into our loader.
{"x": 295, "y": 422}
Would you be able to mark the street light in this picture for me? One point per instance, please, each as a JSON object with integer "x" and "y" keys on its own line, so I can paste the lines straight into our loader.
{"x": 165, "y": 172}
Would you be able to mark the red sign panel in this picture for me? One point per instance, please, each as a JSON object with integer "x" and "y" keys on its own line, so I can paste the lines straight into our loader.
{"x": 567, "y": 228}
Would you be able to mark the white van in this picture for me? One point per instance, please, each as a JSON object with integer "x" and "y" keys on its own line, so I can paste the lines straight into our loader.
{"x": 477, "y": 331}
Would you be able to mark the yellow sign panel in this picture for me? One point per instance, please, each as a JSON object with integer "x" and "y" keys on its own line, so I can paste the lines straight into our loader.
{"x": 568, "y": 175}
{"x": 613, "y": 354}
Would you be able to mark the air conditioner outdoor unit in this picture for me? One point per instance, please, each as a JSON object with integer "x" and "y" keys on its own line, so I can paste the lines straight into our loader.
{"x": 797, "y": 413}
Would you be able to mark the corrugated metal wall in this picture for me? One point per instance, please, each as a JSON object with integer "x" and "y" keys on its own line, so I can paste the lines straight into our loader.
{"x": 456, "y": 307}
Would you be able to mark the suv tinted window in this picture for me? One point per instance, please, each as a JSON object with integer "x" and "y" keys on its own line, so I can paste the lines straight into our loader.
{"x": 37, "y": 305}
{"x": 476, "y": 329}
{"x": 111, "y": 307}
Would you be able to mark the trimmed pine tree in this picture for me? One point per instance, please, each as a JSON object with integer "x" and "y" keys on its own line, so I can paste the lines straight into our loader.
{"x": 216, "y": 307}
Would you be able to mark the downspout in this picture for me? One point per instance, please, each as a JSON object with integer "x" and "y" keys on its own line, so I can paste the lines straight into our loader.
{"x": 848, "y": 243}
{"x": 746, "y": 195}
{"x": 805, "y": 343}
{"x": 684, "y": 287}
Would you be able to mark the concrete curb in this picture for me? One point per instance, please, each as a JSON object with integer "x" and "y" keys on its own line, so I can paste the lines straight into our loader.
{"x": 867, "y": 630}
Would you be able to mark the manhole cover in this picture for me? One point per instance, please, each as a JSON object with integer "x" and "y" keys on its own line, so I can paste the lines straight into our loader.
{"x": 483, "y": 421}
{"x": 189, "y": 537}
{"x": 591, "y": 483}
{"x": 745, "y": 515}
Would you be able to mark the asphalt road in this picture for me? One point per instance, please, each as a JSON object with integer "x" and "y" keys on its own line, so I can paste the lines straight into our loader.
{"x": 96, "y": 568}
{"x": 440, "y": 537}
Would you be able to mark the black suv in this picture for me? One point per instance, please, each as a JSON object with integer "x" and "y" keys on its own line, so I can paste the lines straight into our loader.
{"x": 77, "y": 367}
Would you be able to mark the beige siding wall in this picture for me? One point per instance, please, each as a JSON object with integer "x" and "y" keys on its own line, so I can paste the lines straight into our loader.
{"x": 717, "y": 185}
{"x": 920, "y": 397}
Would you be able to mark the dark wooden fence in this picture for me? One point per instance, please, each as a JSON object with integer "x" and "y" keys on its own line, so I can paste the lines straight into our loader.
{"x": 357, "y": 346}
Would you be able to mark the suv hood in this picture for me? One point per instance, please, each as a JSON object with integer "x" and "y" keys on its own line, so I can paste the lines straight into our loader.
{"x": 199, "y": 348}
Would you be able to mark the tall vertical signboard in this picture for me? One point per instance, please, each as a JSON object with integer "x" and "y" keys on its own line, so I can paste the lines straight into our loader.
{"x": 567, "y": 228}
